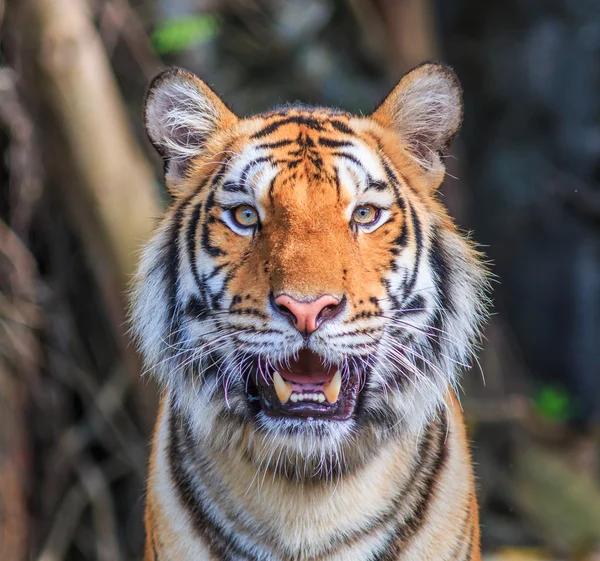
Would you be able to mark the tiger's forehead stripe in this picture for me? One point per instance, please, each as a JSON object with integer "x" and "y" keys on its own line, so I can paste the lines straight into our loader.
{"x": 316, "y": 118}
{"x": 254, "y": 170}
{"x": 350, "y": 162}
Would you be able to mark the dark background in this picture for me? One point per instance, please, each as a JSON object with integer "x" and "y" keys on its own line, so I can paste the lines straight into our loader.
{"x": 81, "y": 187}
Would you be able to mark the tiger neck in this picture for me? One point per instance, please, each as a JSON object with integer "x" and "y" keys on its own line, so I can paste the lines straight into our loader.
{"x": 221, "y": 491}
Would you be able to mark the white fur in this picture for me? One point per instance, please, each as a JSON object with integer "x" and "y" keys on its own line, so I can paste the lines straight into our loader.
{"x": 176, "y": 111}
{"x": 426, "y": 109}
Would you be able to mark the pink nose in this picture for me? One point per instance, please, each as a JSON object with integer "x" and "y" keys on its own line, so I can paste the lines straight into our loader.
{"x": 308, "y": 315}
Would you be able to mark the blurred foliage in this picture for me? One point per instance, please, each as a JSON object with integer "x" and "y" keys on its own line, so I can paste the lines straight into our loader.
{"x": 554, "y": 403}
{"x": 177, "y": 34}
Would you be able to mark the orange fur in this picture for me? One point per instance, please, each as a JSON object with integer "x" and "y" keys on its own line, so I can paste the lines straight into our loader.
{"x": 304, "y": 248}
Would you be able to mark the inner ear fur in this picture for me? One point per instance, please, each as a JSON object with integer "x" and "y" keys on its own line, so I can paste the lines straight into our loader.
{"x": 181, "y": 114}
{"x": 425, "y": 109}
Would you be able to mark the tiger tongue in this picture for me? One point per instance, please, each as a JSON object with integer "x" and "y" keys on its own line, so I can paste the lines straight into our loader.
{"x": 308, "y": 368}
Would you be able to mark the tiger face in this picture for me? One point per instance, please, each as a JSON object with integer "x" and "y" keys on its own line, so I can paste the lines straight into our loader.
{"x": 306, "y": 297}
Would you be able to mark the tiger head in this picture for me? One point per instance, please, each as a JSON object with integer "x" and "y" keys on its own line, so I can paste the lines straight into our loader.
{"x": 306, "y": 296}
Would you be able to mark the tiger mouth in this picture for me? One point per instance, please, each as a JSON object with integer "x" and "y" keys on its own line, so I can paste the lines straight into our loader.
{"x": 305, "y": 387}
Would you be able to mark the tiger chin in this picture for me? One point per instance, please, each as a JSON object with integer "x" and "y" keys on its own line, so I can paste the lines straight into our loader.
{"x": 307, "y": 304}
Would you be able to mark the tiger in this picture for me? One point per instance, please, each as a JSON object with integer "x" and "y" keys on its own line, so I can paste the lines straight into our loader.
{"x": 307, "y": 305}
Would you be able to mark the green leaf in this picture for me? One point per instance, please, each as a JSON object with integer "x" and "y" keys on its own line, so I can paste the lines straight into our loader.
{"x": 553, "y": 403}
{"x": 178, "y": 34}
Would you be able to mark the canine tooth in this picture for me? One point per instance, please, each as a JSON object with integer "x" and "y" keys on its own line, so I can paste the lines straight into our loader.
{"x": 321, "y": 398}
{"x": 332, "y": 389}
{"x": 282, "y": 388}
{"x": 294, "y": 397}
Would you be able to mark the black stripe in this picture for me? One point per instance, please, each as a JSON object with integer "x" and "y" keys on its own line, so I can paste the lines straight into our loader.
{"x": 350, "y": 158}
{"x": 171, "y": 268}
{"x": 254, "y": 330}
{"x": 249, "y": 312}
{"x": 415, "y": 305}
{"x": 401, "y": 239}
{"x": 250, "y": 165}
{"x": 433, "y": 464}
{"x": 272, "y": 189}
{"x": 418, "y": 232}
{"x": 299, "y": 119}
{"x": 206, "y": 244}
{"x": 196, "y": 309}
{"x": 441, "y": 272}
{"x": 220, "y": 546}
{"x": 233, "y": 187}
{"x": 276, "y": 144}
{"x": 394, "y": 176}
{"x": 342, "y": 127}
{"x": 394, "y": 300}
{"x": 217, "y": 176}
{"x": 439, "y": 262}
{"x": 216, "y": 270}
{"x": 338, "y": 185}
{"x": 190, "y": 237}
{"x": 389, "y": 172}
{"x": 331, "y": 143}
{"x": 377, "y": 186}
{"x": 216, "y": 298}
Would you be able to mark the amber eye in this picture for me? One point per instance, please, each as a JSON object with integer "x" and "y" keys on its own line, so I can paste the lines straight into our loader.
{"x": 364, "y": 214}
{"x": 245, "y": 216}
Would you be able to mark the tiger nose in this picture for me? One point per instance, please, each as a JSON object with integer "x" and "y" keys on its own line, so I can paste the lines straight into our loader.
{"x": 308, "y": 316}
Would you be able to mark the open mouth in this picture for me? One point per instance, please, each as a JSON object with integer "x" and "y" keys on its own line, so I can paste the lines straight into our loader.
{"x": 305, "y": 387}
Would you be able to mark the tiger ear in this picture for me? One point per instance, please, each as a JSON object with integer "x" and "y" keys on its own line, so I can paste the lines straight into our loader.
{"x": 425, "y": 109}
{"x": 181, "y": 114}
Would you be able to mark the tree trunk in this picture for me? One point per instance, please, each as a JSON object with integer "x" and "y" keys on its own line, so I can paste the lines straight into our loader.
{"x": 106, "y": 184}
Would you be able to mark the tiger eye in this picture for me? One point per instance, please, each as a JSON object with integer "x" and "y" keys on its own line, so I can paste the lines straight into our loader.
{"x": 364, "y": 214}
{"x": 245, "y": 215}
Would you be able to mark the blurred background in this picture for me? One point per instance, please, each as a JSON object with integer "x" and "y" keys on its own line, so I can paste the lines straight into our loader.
{"x": 81, "y": 189}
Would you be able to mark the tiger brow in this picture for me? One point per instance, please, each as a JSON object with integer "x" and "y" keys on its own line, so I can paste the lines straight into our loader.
{"x": 376, "y": 185}
{"x": 241, "y": 185}
{"x": 235, "y": 187}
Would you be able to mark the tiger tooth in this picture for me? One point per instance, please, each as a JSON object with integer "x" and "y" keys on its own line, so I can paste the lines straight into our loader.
{"x": 332, "y": 389}
{"x": 282, "y": 388}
